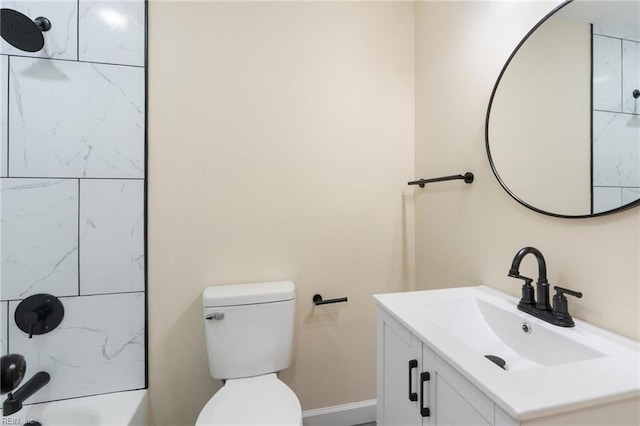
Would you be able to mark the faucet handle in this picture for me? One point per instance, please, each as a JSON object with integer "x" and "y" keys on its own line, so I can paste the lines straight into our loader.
{"x": 516, "y": 274}
{"x": 527, "y": 290}
{"x": 560, "y": 291}
{"x": 560, "y": 306}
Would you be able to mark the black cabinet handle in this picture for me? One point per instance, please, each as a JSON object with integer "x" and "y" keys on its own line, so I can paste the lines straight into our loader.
{"x": 424, "y": 377}
{"x": 413, "y": 396}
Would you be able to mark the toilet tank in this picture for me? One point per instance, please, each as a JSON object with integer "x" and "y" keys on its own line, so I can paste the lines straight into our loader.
{"x": 249, "y": 328}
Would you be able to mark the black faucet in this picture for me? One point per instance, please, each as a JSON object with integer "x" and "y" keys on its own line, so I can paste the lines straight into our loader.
{"x": 13, "y": 369}
{"x": 542, "y": 285}
{"x": 559, "y": 314}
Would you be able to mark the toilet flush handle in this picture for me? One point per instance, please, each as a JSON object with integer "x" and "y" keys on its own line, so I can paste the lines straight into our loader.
{"x": 215, "y": 316}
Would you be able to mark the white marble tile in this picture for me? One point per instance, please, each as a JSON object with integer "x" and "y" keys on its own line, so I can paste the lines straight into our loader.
{"x": 112, "y": 31}
{"x": 4, "y": 324}
{"x": 111, "y": 236}
{"x": 624, "y": 24}
{"x": 98, "y": 347}
{"x": 629, "y": 195}
{"x": 607, "y": 73}
{"x": 630, "y": 76}
{"x": 605, "y": 199}
{"x": 39, "y": 237}
{"x": 4, "y": 94}
{"x": 616, "y": 149}
{"x": 73, "y": 119}
{"x": 628, "y": 33}
{"x": 61, "y": 41}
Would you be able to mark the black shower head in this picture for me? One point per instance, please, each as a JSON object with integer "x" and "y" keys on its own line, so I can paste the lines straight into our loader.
{"x": 13, "y": 369}
{"x": 21, "y": 32}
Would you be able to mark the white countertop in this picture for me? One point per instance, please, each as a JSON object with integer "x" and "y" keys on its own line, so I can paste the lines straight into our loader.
{"x": 534, "y": 390}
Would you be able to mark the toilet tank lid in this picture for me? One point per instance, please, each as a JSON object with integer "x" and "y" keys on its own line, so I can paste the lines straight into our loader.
{"x": 247, "y": 294}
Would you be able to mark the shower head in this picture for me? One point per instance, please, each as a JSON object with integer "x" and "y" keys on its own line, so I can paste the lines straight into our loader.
{"x": 21, "y": 32}
{"x": 13, "y": 369}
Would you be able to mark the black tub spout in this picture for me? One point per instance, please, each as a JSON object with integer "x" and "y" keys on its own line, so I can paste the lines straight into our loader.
{"x": 14, "y": 401}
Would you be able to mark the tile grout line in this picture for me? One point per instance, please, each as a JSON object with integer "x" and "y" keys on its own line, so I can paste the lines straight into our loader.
{"x": 614, "y": 112}
{"x": 592, "y": 109}
{"x": 617, "y": 186}
{"x": 76, "y": 61}
{"x": 74, "y": 296}
{"x": 78, "y": 30}
{"x": 145, "y": 200}
{"x": 8, "y": 107}
{"x": 73, "y": 178}
{"x": 78, "y": 236}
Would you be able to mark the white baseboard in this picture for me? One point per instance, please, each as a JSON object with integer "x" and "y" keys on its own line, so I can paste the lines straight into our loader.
{"x": 341, "y": 415}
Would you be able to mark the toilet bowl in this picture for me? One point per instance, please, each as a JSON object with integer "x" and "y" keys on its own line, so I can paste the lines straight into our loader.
{"x": 249, "y": 335}
{"x": 262, "y": 400}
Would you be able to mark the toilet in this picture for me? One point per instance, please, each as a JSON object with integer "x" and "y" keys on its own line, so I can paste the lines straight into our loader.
{"x": 249, "y": 336}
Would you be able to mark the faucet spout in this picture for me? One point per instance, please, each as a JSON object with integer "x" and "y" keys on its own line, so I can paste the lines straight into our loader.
{"x": 14, "y": 401}
{"x": 542, "y": 265}
{"x": 542, "y": 285}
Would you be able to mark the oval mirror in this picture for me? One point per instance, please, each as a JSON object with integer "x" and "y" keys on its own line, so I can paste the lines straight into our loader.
{"x": 563, "y": 123}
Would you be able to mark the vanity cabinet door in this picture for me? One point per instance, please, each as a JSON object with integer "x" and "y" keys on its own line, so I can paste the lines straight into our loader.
{"x": 399, "y": 367}
{"x": 458, "y": 401}
{"x": 453, "y": 410}
{"x": 418, "y": 388}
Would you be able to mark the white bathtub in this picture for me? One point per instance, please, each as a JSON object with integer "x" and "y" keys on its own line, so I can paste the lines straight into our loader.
{"x": 113, "y": 409}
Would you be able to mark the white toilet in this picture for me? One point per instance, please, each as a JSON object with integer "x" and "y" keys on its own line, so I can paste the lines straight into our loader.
{"x": 249, "y": 333}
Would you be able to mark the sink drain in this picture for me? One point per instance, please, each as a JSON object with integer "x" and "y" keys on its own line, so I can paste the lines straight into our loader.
{"x": 496, "y": 360}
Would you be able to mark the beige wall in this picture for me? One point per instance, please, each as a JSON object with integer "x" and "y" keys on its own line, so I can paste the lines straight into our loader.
{"x": 281, "y": 138}
{"x": 468, "y": 234}
{"x": 280, "y": 143}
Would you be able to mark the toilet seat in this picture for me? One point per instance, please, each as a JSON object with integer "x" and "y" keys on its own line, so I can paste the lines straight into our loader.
{"x": 260, "y": 400}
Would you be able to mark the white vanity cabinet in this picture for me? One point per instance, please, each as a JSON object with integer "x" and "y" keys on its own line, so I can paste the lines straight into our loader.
{"x": 432, "y": 368}
{"x": 417, "y": 387}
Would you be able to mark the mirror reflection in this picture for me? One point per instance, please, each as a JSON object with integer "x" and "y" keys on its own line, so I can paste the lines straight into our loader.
{"x": 563, "y": 126}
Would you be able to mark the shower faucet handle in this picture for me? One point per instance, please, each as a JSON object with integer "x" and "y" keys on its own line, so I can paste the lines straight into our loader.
{"x": 39, "y": 314}
{"x": 34, "y": 317}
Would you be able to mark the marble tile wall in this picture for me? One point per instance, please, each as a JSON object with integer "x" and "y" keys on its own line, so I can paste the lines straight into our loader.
{"x": 72, "y": 135}
{"x": 616, "y": 120}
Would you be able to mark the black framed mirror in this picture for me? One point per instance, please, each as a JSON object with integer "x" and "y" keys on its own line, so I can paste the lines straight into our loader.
{"x": 563, "y": 124}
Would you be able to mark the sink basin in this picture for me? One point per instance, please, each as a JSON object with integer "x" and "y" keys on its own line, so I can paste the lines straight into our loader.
{"x": 490, "y": 330}
{"x": 547, "y": 369}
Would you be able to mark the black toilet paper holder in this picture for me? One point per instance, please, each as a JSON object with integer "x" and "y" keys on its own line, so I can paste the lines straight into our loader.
{"x": 318, "y": 300}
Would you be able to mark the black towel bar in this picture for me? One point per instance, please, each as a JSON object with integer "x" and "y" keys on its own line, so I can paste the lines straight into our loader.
{"x": 468, "y": 178}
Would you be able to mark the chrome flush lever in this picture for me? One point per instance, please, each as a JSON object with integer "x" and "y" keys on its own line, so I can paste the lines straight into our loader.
{"x": 215, "y": 316}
